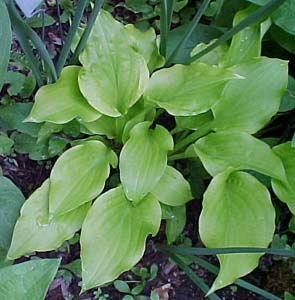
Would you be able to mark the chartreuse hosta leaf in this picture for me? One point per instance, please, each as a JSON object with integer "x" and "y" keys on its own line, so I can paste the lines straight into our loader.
{"x": 114, "y": 75}
{"x": 249, "y": 104}
{"x": 143, "y": 159}
{"x": 113, "y": 235}
{"x": 62, "y": 101}
{"x": 28, "y": 280}
{"x": 145, "y": 43}
{"x": 285, "y": 189}
{"x": 35, "y": 230}
{"x": 172, "y": 189}
{"x": 79, "y": 175}
{"x": 240, "y": 150}
{"x": 186, "y": 90}
{"x": 175, "y": 224}
{"x": 245, "y": 44}
{"x": 237, "y": 212}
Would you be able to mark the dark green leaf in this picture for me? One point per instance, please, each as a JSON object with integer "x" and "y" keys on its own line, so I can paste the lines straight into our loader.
{"x": 122, "y": 286}
{"x": 5, "y": 144}
{"x": 37, "y": 21}
{"x": 28, "y": 280}
{"x": 5, "y": 38}
{"x": 11, "y": 200}
{"x": 15, "y": 80}
{"x": 288, "y": 100}
{"x": 13, "y": 115}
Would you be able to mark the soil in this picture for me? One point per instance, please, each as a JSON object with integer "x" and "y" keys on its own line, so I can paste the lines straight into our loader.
{"x": 171, "y": 282}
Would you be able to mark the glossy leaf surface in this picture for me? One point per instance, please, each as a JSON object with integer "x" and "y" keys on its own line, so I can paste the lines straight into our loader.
{"x": 62, "y": 101}
{"x": 247, "y": 43}
{"x": 11, "y": 200}
{"x": 145, "y": 44}
{"x": 28, "y": 280}
{"x": 237, "y": 212}
{"x": 113, "y": 235}
{"x": 285, "y": 189}
{"x": 36, "y": 231}
{"x": 249, "y": 104}
{"x": 113, "y": 76}
{"x": 186, "y": 90}
{"x": 239, "y": 150}
{"x": 79, "y": 175}
{"x": 172, "y": 189}
{"x": 143, "y": 159}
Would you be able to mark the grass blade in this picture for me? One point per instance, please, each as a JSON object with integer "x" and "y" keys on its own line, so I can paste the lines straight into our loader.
{"x": 27, "y": 32}
{"x": 193, "y": 25}
{"x": 190, "y": 273}
{"x": 229, "y": 250}
{"x": 71, "y": 34}
{"x": 97, "y": 6}
{"x": 257, "y": 16}
{"x": 166, "y": 12}
{"x": 242, "y": 283}
{"x": 25, "y": 45}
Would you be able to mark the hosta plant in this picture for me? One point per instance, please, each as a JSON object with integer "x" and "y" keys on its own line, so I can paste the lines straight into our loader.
{"x": 138, "y": 118}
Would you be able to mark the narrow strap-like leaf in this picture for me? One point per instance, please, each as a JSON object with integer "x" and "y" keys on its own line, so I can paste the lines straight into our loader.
{"x": 258, "y": 15}
{"x": 228, "y": 250}
{"x": 30, "y": 34}
{"x": 191, "y": 274}
{"x": 166, "y": 12}
{"x": 242, "y": 283}
{"x": 71, "y": 34}
{"x": 97, "y": 6}
{"x": 213, "y": 269}
{"x": 25, "y": 45}
{"x": 189, "y": 31}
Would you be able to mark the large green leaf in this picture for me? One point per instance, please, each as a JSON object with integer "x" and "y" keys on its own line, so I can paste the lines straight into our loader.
{"x": 187, "y": 90}
{"x": 249, "y": 104}
{"x": 145, "y": 44}
{"x": 79, "y": 176}
{"x": 113, "y": 235}
{"x": 62, "y": 101}
{"x": 12, "y": 117}
{"x": 285, "y": 189}
{"x": 143, "y": 159}
{"x": 5, "y": 37}
{"x": 240, "y": 150}
{"x": 245, "y": 44}
{"x": 29, "y": 280}
{"x": 35, "y": 230}
{"x": 11, "y": 200}
{"x": 172, "y": 189}
{"x": 237, "y": 212}
{"x": 113, "y": 76}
